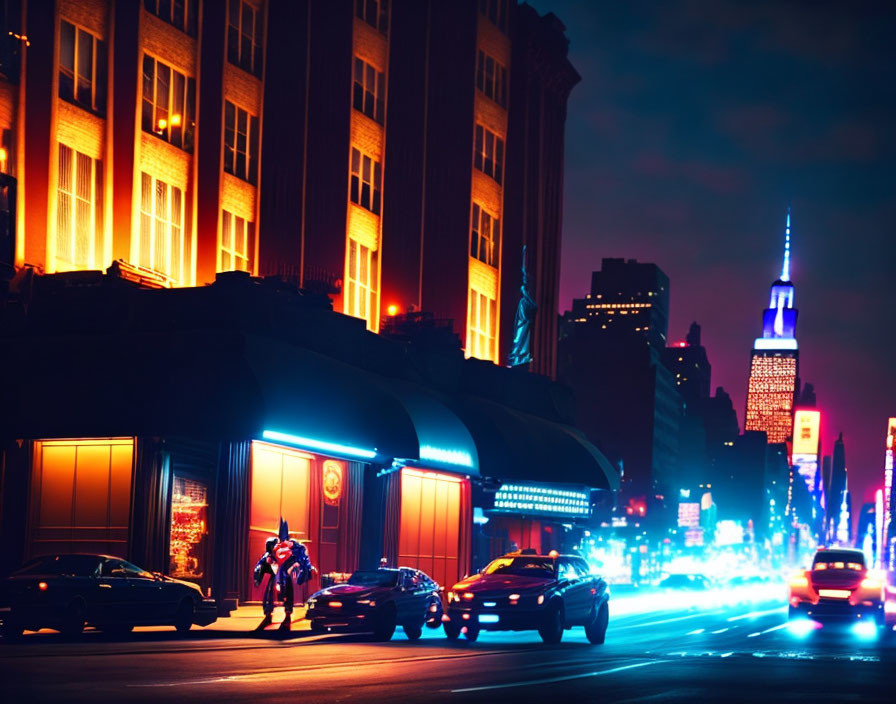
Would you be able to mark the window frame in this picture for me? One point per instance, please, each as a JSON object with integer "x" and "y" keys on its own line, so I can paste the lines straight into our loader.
{"x": 375, "y": 13}
{"x": 485, "y": 235}
{"x": 365, "y": 185}
{"x": 232, "y": 253}
{"x": 189, "y": 19}
{"x": 484, "y": 142}
{"x": 362, "y": 291}
{"x": 369, "y": 99}
{"x": 233, "y": 155}
{"x": 491, "y": 78}
{"x": 237, "y": 38}
{"x": 151, "y": 215}
{"x": 481, "y": 339}
{"x": 96, "y": 85}
{"x": 180, "y": 91}
{"x": 69, "y": 191}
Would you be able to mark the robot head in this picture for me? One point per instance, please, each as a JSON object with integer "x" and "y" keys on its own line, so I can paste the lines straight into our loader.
{"x": 284, "y": 529}
{"x": 270, "y": 543}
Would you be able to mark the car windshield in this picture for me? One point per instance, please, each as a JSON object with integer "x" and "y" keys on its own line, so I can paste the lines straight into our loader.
{"x": 839, "y": 560}
{"x": 522, "y": 566}
{"x": 68, "y": 565}
{"x": 374, "y": 578}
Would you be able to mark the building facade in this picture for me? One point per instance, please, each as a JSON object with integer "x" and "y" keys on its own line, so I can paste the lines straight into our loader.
{"x": 267, "y": 136}
{"x": 774, "y": 361}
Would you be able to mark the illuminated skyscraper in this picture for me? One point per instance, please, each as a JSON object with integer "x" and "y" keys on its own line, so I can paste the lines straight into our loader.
{"x": 775, "y": 360}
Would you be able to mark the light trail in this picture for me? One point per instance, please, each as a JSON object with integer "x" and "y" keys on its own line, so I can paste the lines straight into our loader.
{"x": 564, "y": 678}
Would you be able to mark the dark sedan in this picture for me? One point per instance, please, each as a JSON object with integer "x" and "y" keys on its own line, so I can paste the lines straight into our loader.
{"x": 67, "y": 592}
{"x": 548, "y": 593}
{"x": 377, "y": 601}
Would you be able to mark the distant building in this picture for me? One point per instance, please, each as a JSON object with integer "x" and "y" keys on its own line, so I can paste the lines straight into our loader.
{"x": 626, "y": 399}
{"x": 627, "y": 297}
{"x": 690, "y": 366}
{"x": 774, "y": 365}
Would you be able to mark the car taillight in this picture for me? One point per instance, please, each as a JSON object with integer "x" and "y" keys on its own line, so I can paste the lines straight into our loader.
{"x": 43, "y": 586}
{"x": 336, "y": 604}
{"x": 540, "y": 599}
{"x": 468, "y": 596}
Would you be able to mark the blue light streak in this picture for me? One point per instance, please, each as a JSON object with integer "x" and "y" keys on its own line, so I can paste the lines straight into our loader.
{"x": 332, "y": 448}
{"x": 445, "y": 456}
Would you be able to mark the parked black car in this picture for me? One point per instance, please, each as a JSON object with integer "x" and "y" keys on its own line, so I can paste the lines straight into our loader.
{"x": 67, "y": 592}
{"x": 520, "y": 592}
{"x": 377, "y": 601}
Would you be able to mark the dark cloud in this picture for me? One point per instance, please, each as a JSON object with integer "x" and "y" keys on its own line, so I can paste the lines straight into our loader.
{"x": 693, "y": 126}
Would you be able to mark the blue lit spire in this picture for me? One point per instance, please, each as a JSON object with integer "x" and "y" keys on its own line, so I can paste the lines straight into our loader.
{"x": 785, "y": 269}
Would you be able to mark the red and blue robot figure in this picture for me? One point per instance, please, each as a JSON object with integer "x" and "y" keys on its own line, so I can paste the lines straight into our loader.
{"x": 286, "y": 561}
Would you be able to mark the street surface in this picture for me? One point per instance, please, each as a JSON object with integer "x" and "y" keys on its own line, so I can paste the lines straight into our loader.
{"x": 730, "y": 653}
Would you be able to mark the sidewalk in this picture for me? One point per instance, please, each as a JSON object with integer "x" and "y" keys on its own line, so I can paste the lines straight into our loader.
{"x": 247, "y": 617}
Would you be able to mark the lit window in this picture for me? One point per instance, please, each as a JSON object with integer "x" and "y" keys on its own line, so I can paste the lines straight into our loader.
{"x": 488, "y": 153}
{"x": 82, "y": 68}
{"x": 7, "y": 152}
{"x": 79, "y": 209}
{"x": 369, "y": 91}
{"x": 161, "y": 243}
{"x": 375, "y": 13}
{"x": 361, "y": 289}
{"x": 365, "y": 182}
{"x": 491, "y": 78}
{"x": 180, "y": 13}
{"x": 245, "y": 28}
{"x": 169, "y": 103}
{"x": 481, "y": 323}
{"x": 237, "y": 243}
{"x": 240, "y": 143}
{"x": 496, "y": 11}
{"x": 485, "y": 236}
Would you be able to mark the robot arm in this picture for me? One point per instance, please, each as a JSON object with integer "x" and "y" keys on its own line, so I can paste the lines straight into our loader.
{"x": 261, "y": 567}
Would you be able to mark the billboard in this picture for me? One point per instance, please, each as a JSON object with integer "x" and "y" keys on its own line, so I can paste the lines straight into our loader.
{"x": 806, "y": 425}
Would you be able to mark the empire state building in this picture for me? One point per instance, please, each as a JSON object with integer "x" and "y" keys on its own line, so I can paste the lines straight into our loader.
{"x": 775, "y": 360}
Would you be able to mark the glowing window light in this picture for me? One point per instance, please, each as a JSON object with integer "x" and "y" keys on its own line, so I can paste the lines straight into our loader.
{"x": 312, "y": 444}
{"x": 439, "y": 454}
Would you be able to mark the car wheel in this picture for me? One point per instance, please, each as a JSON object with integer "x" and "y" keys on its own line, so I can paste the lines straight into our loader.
{"x": 183, "y": 619}
{"x": 452, "y": 630}
{"x": 472, "y": 633}
{"x": 552, "y": 629}
{"x": 596, "y": 628}
{"x": 413, "y": 631}
{"x": 385, "y": 623}
{"x": 73, "y": 620}
{"x": 434, "y": 618}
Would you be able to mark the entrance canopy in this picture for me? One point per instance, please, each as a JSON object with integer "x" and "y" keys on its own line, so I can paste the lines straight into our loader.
{"x": 516, "y": 446}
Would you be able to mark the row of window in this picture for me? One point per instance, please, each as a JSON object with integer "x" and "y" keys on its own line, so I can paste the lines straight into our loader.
{"x": 82, "y": 68}
{"x": 180, "y": 13}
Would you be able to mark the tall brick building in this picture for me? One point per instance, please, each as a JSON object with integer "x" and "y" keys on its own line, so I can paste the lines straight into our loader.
{"x": 396, "y": 155}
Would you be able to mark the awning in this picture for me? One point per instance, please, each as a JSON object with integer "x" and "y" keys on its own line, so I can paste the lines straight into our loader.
{"x": 516, "y": 446}
{"x": 444, "y": 441}
{"x": 223, "y": 385}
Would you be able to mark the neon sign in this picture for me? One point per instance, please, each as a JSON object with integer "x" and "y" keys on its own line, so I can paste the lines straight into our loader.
{"x": 541, "y": 499}
{"x": 319, "y": 445}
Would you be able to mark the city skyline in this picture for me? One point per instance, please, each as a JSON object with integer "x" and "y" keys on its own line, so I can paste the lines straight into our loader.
{"x": 693, "y": 128}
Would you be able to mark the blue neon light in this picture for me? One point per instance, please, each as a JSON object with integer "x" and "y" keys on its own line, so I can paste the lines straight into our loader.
{"x": 488, "y": 618}
{"x": 311, "y": 444}
{"x": 785, "y": 269}
{"x": 438, "y": 454}
{"x": 774, "y": 343}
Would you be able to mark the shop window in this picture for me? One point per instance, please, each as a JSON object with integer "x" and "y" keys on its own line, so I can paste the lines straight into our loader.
{"x": 81, "y": 496}
{"x": 189, "y": 529}
{"x": 279, "y": 487}
{"x": 429, "y": 534}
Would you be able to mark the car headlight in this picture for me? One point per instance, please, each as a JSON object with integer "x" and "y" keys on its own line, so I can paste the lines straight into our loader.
{"x": 540, "y": 599}
{"x": 453, "y": 596}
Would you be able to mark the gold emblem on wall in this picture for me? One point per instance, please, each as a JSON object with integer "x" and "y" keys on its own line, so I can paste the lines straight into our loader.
{"x": 332, "y": 482}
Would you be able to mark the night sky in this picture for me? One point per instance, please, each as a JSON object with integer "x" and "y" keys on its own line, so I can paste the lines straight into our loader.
{"x": 693, "y": 125}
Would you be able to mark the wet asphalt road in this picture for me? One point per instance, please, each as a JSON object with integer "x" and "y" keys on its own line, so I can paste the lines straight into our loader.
{"x": 729, "y": 654}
